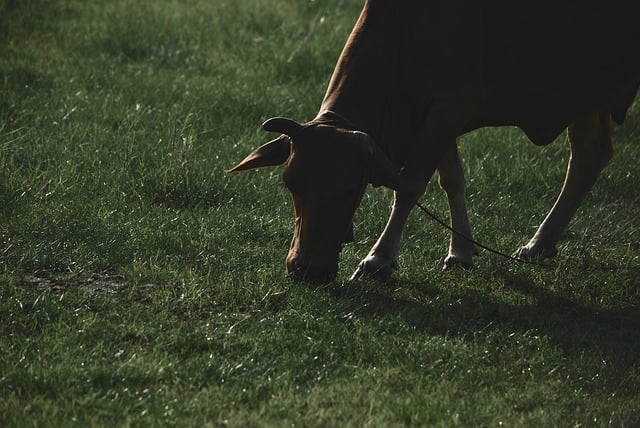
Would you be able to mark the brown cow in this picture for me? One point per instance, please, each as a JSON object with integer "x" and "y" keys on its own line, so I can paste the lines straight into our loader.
{"x": 415, "y": 75}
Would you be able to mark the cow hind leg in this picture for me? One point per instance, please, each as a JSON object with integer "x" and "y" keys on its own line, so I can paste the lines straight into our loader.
{"x": 591, "y": 150}
{"x": 451, "y": 180}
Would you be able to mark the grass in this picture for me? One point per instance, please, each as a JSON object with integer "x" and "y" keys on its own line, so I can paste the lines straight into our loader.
{"x": 141, "y": 285}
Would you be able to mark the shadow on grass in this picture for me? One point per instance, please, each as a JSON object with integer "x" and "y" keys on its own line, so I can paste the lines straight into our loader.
{"x": 609, "y": 335}
{"x": 177, "y": 197}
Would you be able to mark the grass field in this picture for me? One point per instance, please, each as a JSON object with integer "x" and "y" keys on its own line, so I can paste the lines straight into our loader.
{"x": 140, "y": 285}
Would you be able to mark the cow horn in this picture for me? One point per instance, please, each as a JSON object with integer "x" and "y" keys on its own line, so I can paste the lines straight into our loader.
{"x": 282, "y": 125}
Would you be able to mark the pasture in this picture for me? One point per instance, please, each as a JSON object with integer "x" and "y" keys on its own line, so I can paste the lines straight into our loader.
{"x": 140, "y": 285}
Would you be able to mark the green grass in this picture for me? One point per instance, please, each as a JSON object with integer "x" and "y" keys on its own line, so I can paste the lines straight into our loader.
{"x": 141, "y": 285}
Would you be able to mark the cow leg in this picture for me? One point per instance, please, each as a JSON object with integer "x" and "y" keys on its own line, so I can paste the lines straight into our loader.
{"x": 591, "y": 150}
{"x": 451, "y": 180}
{"x": 381, "y": 261}
{"x": 437, "y": 136}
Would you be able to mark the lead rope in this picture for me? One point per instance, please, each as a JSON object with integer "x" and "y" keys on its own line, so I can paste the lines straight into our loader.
{"x": 478, "y": 244}
{"x": 507, "y": 256}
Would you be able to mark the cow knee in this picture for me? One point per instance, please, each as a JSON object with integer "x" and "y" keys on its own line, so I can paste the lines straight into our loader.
{"x": 451, "y": 174}
{"x": 452, "y": 184}
{"x": 590, "y": 140}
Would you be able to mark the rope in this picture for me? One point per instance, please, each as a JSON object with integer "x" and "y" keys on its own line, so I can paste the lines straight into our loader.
{"x": 478, "y": 244}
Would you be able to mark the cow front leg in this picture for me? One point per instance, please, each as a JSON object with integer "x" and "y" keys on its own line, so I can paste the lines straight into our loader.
{"x": 437, "y": 136}
{"x": 451, "y": 180}
{"x": 381, "y": 260}
{"x": 591, "y": 150}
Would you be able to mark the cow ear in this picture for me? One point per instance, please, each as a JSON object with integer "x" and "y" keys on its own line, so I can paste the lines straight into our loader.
{"x": 275, "y": 152}
{"x": 382, "y": 172}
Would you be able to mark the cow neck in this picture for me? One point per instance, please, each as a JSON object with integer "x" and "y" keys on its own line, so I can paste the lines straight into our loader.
{"x": 360, "y": 81}
{"x": 330, "y": 117}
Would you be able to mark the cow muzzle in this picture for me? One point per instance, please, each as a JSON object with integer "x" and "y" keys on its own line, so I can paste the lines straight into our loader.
{"x": 311, "y": 271}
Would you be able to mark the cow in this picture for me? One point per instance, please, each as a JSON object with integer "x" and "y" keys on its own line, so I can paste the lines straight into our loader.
{"x": 412, "y": 77}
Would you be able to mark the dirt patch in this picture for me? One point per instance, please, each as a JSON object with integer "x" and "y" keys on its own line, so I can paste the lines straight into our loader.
{"x": 108, "y": 281}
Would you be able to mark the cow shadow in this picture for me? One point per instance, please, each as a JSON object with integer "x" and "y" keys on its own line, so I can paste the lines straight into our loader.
{"x": 578, "y": 329}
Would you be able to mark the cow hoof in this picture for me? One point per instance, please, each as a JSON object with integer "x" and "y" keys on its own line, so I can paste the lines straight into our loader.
{"x": 452, "y": 261}
{"x": 532, "y": 253}
{"x": 373, "y": 269}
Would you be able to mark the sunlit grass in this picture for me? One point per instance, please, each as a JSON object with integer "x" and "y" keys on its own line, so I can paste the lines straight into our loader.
{"x": 141, "y": 285}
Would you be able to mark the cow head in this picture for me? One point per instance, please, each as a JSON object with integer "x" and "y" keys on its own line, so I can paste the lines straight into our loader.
{"x": 327, "y": 169}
